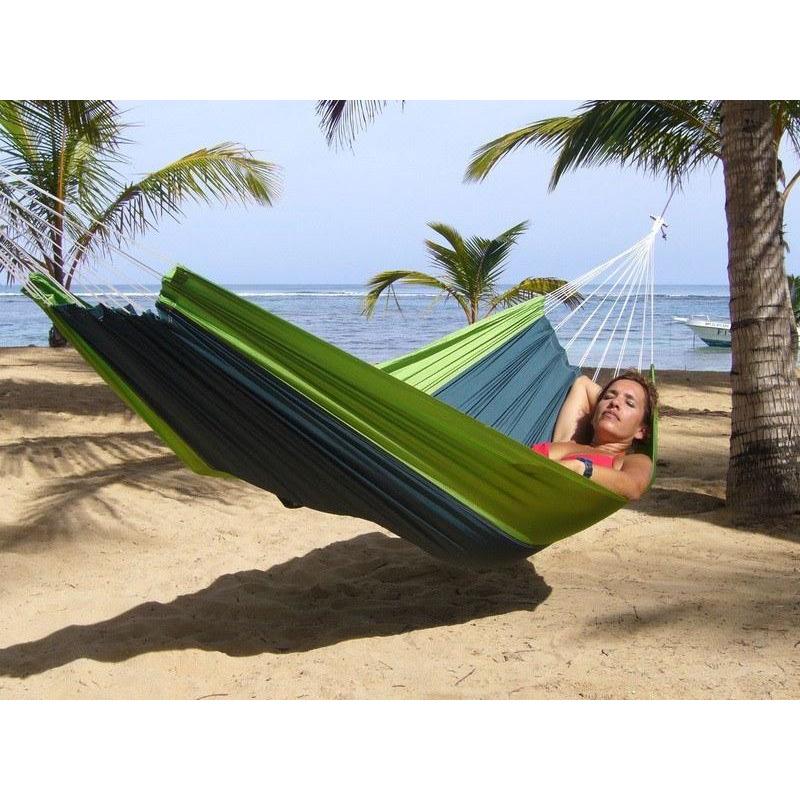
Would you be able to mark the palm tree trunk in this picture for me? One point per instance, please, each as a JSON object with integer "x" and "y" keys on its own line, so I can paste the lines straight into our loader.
{"x": 54, "y": 336}
{"x": 764, "y": 468}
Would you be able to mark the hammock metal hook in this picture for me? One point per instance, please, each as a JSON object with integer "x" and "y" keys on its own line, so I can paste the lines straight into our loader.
{"x": 662, "y": 226}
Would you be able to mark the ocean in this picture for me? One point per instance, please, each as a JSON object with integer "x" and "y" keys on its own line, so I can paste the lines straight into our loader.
{"x": 416, "y": 317}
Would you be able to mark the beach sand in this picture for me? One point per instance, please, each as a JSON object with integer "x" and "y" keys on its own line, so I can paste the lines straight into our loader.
{"x": 124, "y": 575}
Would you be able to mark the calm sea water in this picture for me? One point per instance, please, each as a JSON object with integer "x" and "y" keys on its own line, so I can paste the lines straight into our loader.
{"x": 333, "y": 312}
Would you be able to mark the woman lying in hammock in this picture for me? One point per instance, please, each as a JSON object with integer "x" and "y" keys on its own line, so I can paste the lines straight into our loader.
{"x": 598, "y": 427}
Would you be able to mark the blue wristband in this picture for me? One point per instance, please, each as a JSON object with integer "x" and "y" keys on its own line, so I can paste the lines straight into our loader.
{"x": 587, "y": 466}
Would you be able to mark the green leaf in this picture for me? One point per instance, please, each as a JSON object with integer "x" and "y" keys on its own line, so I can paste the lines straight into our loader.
{"x": 384, "y": 281}
{"x": 660, "y": 137}
{"x": 528, "y": 288}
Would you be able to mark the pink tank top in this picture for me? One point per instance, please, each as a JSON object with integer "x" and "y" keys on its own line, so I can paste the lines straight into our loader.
{"x": 598, "y": 459}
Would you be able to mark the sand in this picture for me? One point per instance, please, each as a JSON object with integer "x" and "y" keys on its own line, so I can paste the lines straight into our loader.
{"x": 124, "y": 575}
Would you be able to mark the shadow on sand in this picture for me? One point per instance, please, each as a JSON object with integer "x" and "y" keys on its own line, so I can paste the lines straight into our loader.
{"x": 73, "y": 471}
{"x": 372, "y": 585}
{"x": 682, "y": 504}
{"x": 78, "y": 399}
{"x": 677, "y": 503}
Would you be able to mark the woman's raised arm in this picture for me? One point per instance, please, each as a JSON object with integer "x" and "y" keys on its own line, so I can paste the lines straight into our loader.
{"x": 574, "y": 419}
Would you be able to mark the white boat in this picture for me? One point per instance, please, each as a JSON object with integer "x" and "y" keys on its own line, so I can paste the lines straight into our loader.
{"x": 714, "y": 332}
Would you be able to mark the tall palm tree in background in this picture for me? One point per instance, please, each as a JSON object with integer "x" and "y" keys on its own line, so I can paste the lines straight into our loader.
{"x": 469, "y": 272}
{"x": 71, "y": 150}
{"x": 672, "y": 138}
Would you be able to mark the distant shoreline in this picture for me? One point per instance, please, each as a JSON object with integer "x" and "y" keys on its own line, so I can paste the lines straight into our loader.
{"x": 333, "y": 312}
{"x": 663, "y": 375}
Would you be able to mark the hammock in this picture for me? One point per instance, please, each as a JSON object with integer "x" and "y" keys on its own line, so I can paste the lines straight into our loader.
{"x": 434, "y": 446}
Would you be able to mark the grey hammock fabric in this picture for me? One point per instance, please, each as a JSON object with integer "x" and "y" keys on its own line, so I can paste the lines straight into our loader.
{"x": 518, "y": 389}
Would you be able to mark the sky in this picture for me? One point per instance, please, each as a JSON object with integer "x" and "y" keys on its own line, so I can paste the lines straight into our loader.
{"x": 343, "y": 215}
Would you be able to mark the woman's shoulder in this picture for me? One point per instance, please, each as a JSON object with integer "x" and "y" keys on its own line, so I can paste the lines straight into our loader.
{"x": 635, "y": 461}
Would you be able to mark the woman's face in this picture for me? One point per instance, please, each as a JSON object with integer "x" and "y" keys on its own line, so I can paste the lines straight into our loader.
{"x": 619, "y": 415}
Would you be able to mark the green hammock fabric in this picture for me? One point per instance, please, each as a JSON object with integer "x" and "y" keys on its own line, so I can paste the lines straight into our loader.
{"x": 484, "y": 480}
{"x": 496, "y": 476}
{"x": 50, "y": 295}
{"x": 434, "y": 365}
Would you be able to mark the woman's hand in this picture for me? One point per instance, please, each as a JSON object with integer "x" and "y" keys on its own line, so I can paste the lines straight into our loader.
{"x": 574, "y": 465}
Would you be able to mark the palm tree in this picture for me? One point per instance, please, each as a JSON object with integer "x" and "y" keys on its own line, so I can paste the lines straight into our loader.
{"x": 71, "y": 150}
{"x": 672, "y": 138}
{"x": 469, "y": 271}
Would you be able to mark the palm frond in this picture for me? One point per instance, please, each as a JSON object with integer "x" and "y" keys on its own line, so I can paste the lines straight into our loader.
{"x": 17, "y": 141}
{"x": 22, "y": 239}
{"x": 529, "y": 288}
{"x": 660, "y": 137}
{"x": 786, "y": 114}
{"x": 26, "y": 227}
{"x": 91, "y": 177}
{"x": 35, "y": 131}
{"x": 515, "y": 231}
{"x": 382, "y": 281}
{"x": 786, "y": 117}
{"x": 15, "y": 260}
{"x": 227, "y": 171}
{"x": 449, "y": 234}
{"x": 98, "y": 121}
{"x": 454, "y": 261}
{"x": 342, "y": 120}
{"x": 490, "y": 255}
